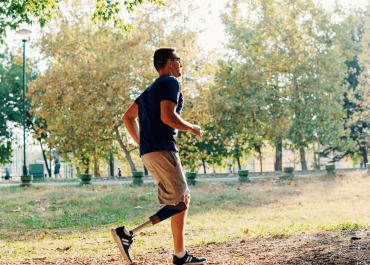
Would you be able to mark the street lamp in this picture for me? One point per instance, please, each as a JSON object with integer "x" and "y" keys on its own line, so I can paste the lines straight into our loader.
{"x": 26, "y": 180}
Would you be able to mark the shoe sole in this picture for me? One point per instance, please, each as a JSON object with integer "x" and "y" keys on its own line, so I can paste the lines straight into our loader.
{"x": 120, "y": 247}
{"x": 193, "y": 263}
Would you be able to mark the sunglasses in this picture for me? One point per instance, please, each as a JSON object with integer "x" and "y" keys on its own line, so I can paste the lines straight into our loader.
{"x": 177, "y": 58}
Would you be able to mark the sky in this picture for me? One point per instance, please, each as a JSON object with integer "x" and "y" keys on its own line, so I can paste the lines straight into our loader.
{"x": 212, "y": 38}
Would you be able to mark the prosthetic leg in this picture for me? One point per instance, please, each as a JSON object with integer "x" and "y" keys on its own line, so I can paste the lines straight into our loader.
{"x": 164, "y": 213}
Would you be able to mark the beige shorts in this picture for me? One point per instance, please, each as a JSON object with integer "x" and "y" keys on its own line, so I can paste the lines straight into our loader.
{"x": 165, "y": 166}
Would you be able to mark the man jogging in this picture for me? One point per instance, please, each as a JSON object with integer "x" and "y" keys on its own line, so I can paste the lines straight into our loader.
{"x": 158, "y": 109}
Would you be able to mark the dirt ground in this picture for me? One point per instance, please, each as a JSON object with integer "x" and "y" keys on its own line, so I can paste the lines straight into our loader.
{"x": 328, "y": 247}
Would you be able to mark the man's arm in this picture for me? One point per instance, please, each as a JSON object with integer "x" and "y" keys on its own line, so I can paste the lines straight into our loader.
{"x": 172, "y": 119}
{"x": 130, "y": 120}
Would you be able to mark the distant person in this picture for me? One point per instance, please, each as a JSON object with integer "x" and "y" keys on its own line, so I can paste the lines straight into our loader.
{"x": 7, "y": 176}
{"x": 56, "y": 160}
{"x": 119, "y": 173}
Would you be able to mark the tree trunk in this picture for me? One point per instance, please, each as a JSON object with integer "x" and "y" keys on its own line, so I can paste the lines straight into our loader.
{"x": 45, "y": 160}
{"x": 279, "y": 155}
{"x": 204, "y": 166}
{"x": 364, "y": 155}
{"x": 302, "y": 154}
{"x": 260, "y": 158}
{"x": 96, "y": 167}
{"x": 111, "y": 164}
{"x": 86, "y": 163}
{"x": 127, "y": 153}
{"x": 238, "y": 160}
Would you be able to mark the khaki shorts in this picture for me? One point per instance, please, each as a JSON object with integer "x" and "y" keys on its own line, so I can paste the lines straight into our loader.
{"x": 165, "y": 166}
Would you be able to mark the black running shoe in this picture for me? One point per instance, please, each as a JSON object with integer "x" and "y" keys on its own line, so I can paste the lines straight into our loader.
{"x": 123, "y": 241}
{"x": 188, "y": 259}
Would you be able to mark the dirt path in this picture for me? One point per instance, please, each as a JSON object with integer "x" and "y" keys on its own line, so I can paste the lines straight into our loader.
{"x": 333, "y": 247}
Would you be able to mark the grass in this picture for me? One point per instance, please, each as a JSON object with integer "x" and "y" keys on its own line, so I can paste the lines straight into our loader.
{"x": 75, "y": 221}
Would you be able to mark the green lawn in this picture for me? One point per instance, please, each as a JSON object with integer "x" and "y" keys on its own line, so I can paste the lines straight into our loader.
{"x": 75, "y": 221}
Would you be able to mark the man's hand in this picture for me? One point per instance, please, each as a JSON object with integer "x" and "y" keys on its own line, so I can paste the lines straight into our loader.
{"x": 196, "y": 131}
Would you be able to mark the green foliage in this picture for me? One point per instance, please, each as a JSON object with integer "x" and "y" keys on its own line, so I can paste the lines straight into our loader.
{"x": 283, "y": 75}
{"x": 15, "y": 12}
{"x": 11, "y": 99}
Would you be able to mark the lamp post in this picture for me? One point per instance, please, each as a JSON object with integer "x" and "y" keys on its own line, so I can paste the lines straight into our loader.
{"x": 26, "y": 179}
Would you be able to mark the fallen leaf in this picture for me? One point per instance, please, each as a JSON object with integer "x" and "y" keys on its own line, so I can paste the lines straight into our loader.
{"x": 43, "y": 258}
{"x": 239, "y": 260}
{"x": 17, "y": 209}
{"x": 37, "y": 187}
{"x": 10, "y": 210}
{"x": 246, "y": 231}
{"x": 25, "y": 187}
{"x": 41, "y": 237}
{"x": 247, "y": 190}
{"x": 87, "y": 209}
{"x": 212, "y": 190}
{"x": 296, "y": 184}
{"x": 137, "y": 204}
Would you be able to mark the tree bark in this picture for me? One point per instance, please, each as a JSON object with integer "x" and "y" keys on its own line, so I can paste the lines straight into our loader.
{"x": 279, "y": 155}
{"x": 302, "y": 154}
{"x": 238, "y": 160}
{"x": 96, "y": 167}
{"x": 111, "y": 164}
{"x": 124, "y": 148}
{"x": 364, "y": 154}
{"x": 45, "y": 160}
{"x": 204, "y": 166}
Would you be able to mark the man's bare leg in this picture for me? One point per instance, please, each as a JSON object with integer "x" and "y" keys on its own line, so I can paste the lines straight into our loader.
{"x": 178, "y": 223}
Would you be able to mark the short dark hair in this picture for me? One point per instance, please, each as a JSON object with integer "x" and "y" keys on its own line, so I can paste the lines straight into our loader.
{"x": 161, "y": 56}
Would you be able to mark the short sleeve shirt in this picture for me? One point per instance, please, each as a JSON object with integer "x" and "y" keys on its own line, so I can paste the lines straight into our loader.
{"x": 57, "y": 157}
{"x": 154, "y": 134}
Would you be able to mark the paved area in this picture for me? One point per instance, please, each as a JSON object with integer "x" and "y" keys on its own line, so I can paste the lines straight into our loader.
{"x": 110, "y": 182}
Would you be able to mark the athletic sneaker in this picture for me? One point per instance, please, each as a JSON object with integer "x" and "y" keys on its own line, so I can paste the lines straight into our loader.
{"x": 188, "y": 259}
{"x": 123, "y": 241}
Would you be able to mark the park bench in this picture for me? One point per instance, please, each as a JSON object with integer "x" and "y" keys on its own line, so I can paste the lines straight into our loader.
{"x": 37, "y": 170}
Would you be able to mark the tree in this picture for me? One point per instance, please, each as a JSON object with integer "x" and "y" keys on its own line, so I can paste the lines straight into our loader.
{"x": 83, "y": 106}
{"x": 15, "y": 12}
{"x": 356, "y": 97}
{"x": 11, "y": 99}
{"x": 286, "y": 68}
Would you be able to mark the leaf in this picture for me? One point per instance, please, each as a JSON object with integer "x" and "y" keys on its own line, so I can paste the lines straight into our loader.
{"x": 37, "y": 187}
{"x": 87, "y": 209}
{"x": 239, "y": 260}
{"x": 25, "y": 187}
{"x": 246, "y": 231}
{"x": 17, "y": 209}
{"x": 212, "y": 190}
{"x": 41, "y": 237}
{"x": 10, "y": 210}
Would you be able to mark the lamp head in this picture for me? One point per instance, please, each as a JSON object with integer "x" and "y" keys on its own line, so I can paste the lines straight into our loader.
{"x": 24, "y": 33}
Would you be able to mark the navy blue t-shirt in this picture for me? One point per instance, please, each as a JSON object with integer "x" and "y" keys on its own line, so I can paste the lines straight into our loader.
{"x": 154, "y": 134}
